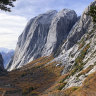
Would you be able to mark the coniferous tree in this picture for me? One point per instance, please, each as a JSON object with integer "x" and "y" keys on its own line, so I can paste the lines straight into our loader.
{"x": 92, "y": 12}
{"x": 6, "y": 5}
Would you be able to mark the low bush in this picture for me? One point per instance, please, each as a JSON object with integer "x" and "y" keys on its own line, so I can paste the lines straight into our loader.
{"x": 62, "y": 86}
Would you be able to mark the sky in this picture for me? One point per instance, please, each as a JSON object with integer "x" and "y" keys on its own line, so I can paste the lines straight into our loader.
{"x": 12, "y": 24}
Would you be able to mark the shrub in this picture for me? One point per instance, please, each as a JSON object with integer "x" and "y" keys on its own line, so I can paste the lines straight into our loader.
{"x": 62, "y": 86}
{"x": 69, "y": 91}
{"x": 92, "y": 12}
{"x": 27, "y": 90}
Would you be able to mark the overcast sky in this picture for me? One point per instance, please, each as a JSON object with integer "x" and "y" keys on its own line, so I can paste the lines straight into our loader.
{"x": 12, "y": 24}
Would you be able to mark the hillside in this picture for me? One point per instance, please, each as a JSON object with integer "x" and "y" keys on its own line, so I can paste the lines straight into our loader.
{"x": 42, "y": 78}
{"x": 55, "y": 56}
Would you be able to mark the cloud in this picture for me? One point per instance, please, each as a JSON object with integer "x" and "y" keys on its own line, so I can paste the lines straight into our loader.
{"x": 31, "y": 8}
{"x": 10, "y": 28}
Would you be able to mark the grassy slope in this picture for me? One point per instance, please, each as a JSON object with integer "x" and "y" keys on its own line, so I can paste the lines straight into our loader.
{"x": 38, "y": 78}
{"x": 35, "y": 77}
{"x": 87, "y": 89}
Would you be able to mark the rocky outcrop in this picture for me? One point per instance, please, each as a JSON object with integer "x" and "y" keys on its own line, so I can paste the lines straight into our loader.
{"x": 80, "y": 28}
{"x": 1, "y": 63}
{"x": 43, "y": 35}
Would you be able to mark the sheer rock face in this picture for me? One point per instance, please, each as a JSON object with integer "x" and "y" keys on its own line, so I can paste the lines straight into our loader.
{"x": 43, "y": 35}
{"x": 1, "y": 63}
{"x": 59, "y": 30}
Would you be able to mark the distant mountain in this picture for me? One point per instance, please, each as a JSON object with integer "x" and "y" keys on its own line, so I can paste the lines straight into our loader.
{"x": 5, "y": 50}
{"x": 7, "y": 55}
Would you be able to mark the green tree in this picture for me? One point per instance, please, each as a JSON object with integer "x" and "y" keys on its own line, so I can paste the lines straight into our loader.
{"x": 92, "y": 12}
{"x": 6, "y": 5}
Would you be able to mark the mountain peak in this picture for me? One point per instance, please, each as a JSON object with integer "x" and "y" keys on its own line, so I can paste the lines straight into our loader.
{"x": 43, "y": 35}
{"x": 51, "y": 12}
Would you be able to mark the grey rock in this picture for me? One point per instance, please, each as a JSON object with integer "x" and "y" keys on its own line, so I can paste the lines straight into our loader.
{"x": 59, "y": 30}
{"x": 9, "y": 63}
{"x": 43, "y": 35}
